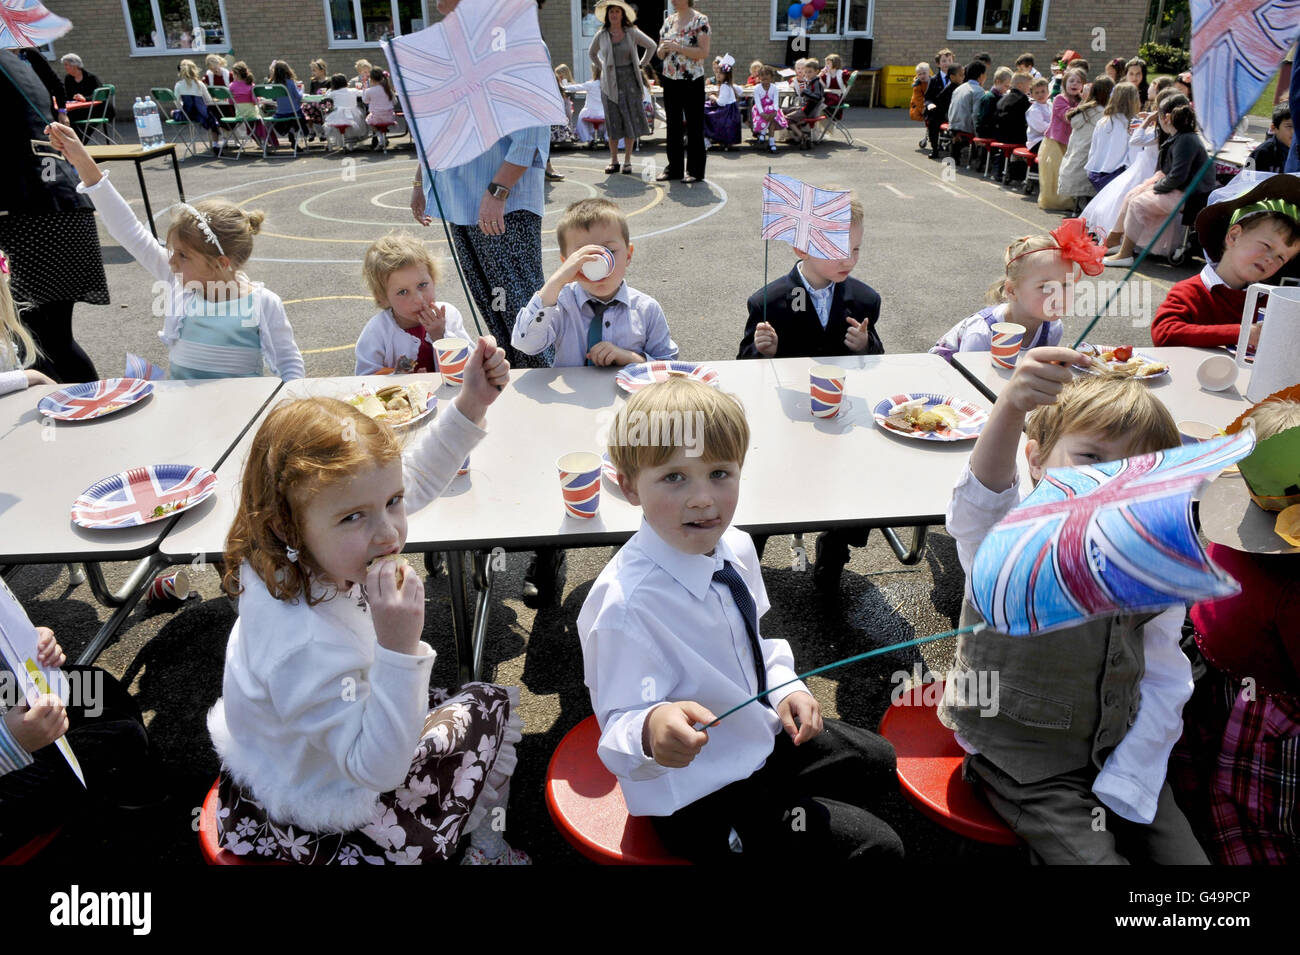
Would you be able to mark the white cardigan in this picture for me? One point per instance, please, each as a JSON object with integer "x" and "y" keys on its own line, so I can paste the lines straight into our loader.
{"x": 279, "y": 349}
{"x": 381, "y": 343}
{"x": 315, "y": 718}
{"x": 1109, "y": 149}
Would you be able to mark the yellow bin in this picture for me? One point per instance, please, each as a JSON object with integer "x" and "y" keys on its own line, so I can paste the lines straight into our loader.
{"x": 896, "y": 86}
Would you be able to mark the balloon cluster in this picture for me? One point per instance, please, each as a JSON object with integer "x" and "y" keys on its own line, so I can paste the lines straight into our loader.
{"x": 805, "y": 11}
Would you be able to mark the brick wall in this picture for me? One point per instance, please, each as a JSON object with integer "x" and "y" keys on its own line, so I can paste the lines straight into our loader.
{"x": 906, "y": 31}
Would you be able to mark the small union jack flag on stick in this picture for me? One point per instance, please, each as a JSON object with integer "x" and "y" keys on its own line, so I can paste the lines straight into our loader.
{"x": 25, "y": 23}
{"x": 1101, "y": 539}
{"x": 481, "y": 73}
{"x": 815, "y": 221}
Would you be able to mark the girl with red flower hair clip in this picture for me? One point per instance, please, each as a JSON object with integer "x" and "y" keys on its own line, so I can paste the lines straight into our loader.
{"x": 1038, "y": 271}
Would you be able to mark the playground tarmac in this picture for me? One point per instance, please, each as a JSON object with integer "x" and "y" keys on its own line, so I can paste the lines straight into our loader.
{"x": 934, "y": 243}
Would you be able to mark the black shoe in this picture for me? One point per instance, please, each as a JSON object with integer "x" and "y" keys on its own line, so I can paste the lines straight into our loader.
{"x": 830, "y": 556}
{"x": 544, "y": 578}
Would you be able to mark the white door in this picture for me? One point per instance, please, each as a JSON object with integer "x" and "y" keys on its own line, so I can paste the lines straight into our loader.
{"x": 585, "y": 26}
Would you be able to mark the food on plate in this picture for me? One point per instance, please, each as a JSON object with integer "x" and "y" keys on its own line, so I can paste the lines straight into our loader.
{"x": 1121, "y": 361}
{"x": 162, "y": 509}
{"x": 915, "y": 416}
{"x": 395, "y": 404}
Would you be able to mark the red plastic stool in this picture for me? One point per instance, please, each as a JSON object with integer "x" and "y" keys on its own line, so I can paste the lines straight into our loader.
{"x": 343, "y": 134}
{"x": 28, "y": 851}
{"x": 929, "y": 770}
{"x": 1030, "y": 159}
{"x": 586, "y": 805}
{"x": 381, "y": 129}
{"x": 978, "y": 142}
{"x": 210, "y": 841}
{"x": 1006, "y": 150}
{"x": 596, "y": 135}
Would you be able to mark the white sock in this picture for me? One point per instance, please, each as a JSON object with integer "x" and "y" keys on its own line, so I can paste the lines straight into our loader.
{"x": 485, "y": 838}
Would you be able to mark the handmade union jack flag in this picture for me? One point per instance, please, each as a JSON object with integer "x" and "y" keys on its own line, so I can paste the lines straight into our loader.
{"x": 479, "y": 74}
{"x": 137, "y": 367}
{"x": 812, "y": 220}
{"x": 1102, "y": 539}
{"x": 137, "y": 496}
{"x": 26, "y": 23}
{"x": 1237, "y": 46}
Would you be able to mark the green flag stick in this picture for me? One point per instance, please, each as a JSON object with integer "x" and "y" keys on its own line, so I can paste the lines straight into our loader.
{"x": 976, "y": 628}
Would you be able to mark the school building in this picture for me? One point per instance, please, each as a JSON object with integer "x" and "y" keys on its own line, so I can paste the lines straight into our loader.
{"x": 137, "y": 44}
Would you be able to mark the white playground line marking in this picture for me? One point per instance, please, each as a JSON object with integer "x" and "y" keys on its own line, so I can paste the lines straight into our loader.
{"x": 715, "y": 187}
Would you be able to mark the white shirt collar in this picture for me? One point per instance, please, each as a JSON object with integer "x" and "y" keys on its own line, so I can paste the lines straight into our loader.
{"x": 693, "y": 571}
{"x": 816, "y": 292}
{"x": 1210, "y": 277}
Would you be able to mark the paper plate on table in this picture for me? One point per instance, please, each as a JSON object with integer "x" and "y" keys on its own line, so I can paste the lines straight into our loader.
{"x": 371, "y": 410}
{"x": 94, "y": 399}
{"x": 635, "y": 377}
{"x": 970, "y": 418}
{"x": 142, "y": 496}
{"x": 1098, "y": 352}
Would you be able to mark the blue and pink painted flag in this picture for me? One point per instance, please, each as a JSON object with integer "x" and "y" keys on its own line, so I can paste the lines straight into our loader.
{"x": 815, "y": 221}
{"x": 26, "y": 23}
{"x": 477, "y": 75}
{"x": 137, "y": 367}
{"x": 1102, "y": 539}
{"x": 1237, "y": 46}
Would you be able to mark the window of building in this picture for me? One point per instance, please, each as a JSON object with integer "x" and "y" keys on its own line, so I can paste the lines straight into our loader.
{"x": 166, "y": 27}
{"x": 358, "y": 23}
{"x": 838, "y": 18}
{"x": 997, "y": 20}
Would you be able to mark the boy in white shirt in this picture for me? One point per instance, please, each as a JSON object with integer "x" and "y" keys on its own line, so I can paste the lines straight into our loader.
{"x": 1039, "y": 116}
{"x": 670, "y": 639}
{"x": 1087, "y": 714}
{"x": 403, "y": 277}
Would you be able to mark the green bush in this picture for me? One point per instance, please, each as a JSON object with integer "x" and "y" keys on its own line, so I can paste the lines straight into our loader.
{"x": 1165, "y": 59}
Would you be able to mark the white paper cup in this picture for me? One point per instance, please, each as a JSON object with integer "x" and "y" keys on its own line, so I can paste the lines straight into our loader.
{"x": 1194, "y": 432}
{"x": 1217, "y": 373}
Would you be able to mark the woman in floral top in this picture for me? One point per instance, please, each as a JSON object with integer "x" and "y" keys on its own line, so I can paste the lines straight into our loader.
{"x": 684, "y": 48}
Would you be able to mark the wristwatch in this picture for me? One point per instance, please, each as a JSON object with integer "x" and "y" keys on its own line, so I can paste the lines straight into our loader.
{"x": 498, "y": 191}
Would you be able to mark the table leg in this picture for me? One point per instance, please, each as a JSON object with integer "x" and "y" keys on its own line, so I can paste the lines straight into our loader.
{"x": 483, "y": 575}
{"x": 907, "y": 557}
{"x": 459, "y": 621}
{"x": 176, "y": 169}
{"x": 124, "y": 600}
{"x": 148, "y": 210}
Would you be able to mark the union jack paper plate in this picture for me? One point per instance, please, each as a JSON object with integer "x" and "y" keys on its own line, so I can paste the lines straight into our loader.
{"x": 1097, "y": 351}
{"x": 142, "y": 496}
{"x": 635, "y": 377}
{"x": 970, "y": 419}
{"x": 94, "y": 399}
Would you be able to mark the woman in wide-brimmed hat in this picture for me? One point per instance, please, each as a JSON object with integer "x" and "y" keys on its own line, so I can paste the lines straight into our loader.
{"x": 622, "y": 88}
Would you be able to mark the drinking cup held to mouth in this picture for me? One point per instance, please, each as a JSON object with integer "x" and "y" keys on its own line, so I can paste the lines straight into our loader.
{"x": 453, "y": 355}
{"x": 580, "y": 482}
{"x": 826, "y": 386}
{"x": 597, "y": 269}
{"x": 1007, "y": 338}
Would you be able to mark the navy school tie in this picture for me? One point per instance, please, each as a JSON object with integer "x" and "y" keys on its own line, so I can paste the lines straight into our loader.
{"x": 595, "y": 330}
{"x": 729, "y": 576}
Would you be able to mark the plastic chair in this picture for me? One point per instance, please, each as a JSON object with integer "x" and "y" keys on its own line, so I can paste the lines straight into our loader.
{"x": 586, "y": 805}
{"x": 29, "y": 850}
{"x": 97, "y": 120}
{"x": 168, "y": 104}
{"x": 929, "y": 769}
{"x": 295, "y": 124}
{"x": 210, "y": 841}
{"x": 1189, "y": 244}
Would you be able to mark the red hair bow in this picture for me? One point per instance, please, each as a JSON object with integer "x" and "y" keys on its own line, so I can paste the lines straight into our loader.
{"x": 4, "y": 264}
{"x": 1078, "y": 246}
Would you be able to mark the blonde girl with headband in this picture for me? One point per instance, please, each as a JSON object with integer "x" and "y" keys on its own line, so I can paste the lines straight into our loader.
{"x": 1032, "y": 292}
{"x": 17, "y": 350}
{"x": 218, "y": 323}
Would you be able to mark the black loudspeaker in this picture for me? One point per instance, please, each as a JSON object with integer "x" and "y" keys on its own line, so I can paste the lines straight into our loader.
{"x": 792, "y": 54}
{"x": 861, "y": 54}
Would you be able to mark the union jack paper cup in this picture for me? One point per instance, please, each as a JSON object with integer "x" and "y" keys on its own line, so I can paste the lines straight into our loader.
{"x": 826, "y": 384}
{"x": 599, "y": 268}
{"x": 1007, "y": 337}
{"x": 464, "y": 468}
{"x": 453, "y": 355}
{"x": 169, "y": 589}
{"x": 580, "y": 482}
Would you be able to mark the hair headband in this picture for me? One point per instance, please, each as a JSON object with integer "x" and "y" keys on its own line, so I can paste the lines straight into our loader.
{"x": 1074, "y": 244}
{"x": 202, "y": 220}
{"x": 1280, "y": 206}
{"x": 726, "y": 61}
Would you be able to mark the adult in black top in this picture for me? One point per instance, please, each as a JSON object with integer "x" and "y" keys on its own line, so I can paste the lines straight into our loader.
{"x": 80, "y": 82}
{"x": 47, "y": 228}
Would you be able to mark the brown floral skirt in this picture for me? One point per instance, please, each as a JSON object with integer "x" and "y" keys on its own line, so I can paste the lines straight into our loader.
{"x": 459, "y": 772}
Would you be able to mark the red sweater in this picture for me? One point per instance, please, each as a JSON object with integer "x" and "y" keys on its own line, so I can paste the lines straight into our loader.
{"x": 1191, "y": 314}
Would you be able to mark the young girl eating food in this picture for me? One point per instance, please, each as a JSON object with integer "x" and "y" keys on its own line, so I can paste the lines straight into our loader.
{"x": 334, "y": 749}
